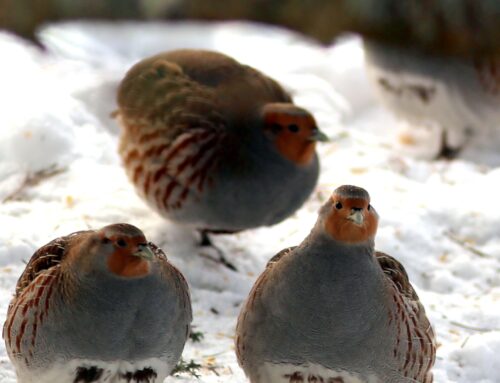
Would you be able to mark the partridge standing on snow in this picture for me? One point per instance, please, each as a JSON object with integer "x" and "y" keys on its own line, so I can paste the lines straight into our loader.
{"x": 98, "y": 306}
{"x": 214, "y": 144}
{"x": 458, "y": 95}
{"x": 334, "y": 310}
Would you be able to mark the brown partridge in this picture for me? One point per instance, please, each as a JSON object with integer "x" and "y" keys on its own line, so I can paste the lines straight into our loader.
{"x": 215, "y": 144}
{"x": 98, "y": 306}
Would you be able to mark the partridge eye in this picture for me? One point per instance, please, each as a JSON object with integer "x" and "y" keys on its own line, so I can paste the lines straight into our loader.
{"x": 293, "y": 128}
{"x": 369, "y": 207}
{"x": 121, "y": 243}
{"x": 275, "y": 128}
{"x": 338, "y": 205}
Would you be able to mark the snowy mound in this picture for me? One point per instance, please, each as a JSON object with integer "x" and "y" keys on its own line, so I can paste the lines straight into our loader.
{"x": 60, "y": 172}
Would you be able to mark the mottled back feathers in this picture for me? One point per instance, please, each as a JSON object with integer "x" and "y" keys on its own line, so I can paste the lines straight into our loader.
{"x": 45, "y": 258}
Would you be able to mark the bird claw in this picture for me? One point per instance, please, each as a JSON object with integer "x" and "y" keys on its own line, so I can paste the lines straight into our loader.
{"x": 205, "y": 241}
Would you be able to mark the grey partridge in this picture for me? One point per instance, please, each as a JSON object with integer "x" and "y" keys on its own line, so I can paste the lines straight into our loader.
{"x": 98, "y": 306}
{"x": 214, "y": 144}
{"x": 334, "y": 310}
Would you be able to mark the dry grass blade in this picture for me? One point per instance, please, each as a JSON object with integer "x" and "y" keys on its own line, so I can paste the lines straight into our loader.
{"x": 33, "y": 180}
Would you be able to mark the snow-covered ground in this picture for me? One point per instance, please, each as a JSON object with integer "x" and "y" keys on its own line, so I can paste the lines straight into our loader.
{"x": 60, "y": 172}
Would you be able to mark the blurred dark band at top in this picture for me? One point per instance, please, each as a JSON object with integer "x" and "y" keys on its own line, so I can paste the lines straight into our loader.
{"x": 468, "y": 28}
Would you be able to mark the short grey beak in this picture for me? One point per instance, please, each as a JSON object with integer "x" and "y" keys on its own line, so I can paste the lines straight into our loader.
{"x": 357, "y": 217}
{"x": 318, "y": 135}
{"x": 144, "y": 251}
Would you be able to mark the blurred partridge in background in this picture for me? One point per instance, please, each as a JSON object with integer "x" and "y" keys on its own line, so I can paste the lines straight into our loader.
{"x": 214, "y": 144}
{"x": 334, "y": 310}
{"x": 100, "y": 305}
{"x": 456, "y": 96}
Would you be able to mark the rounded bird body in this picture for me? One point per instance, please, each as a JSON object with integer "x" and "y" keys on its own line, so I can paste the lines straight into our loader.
{"x": 334, "y": 310}
{"x": 214, "y": 144}
{"x": 98, "y": 306}
{"x": 458, "y": 95}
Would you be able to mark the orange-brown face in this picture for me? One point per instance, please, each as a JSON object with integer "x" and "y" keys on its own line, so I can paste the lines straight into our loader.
{"x": 293, "y": 131}
{"x": 351, "y": 220}
{"x": 130, "y": 257}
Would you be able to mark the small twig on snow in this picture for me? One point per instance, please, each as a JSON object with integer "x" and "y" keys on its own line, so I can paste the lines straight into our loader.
{"x": 465, "y": 245}
{"x": 34, "y": 179}
{"x": 479, "y": 329}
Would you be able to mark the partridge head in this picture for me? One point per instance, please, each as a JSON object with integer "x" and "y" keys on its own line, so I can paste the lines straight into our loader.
{"x": 292, "y": 130}
{"x": 118, "y": 250}
{"x": 349, "y": 217}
